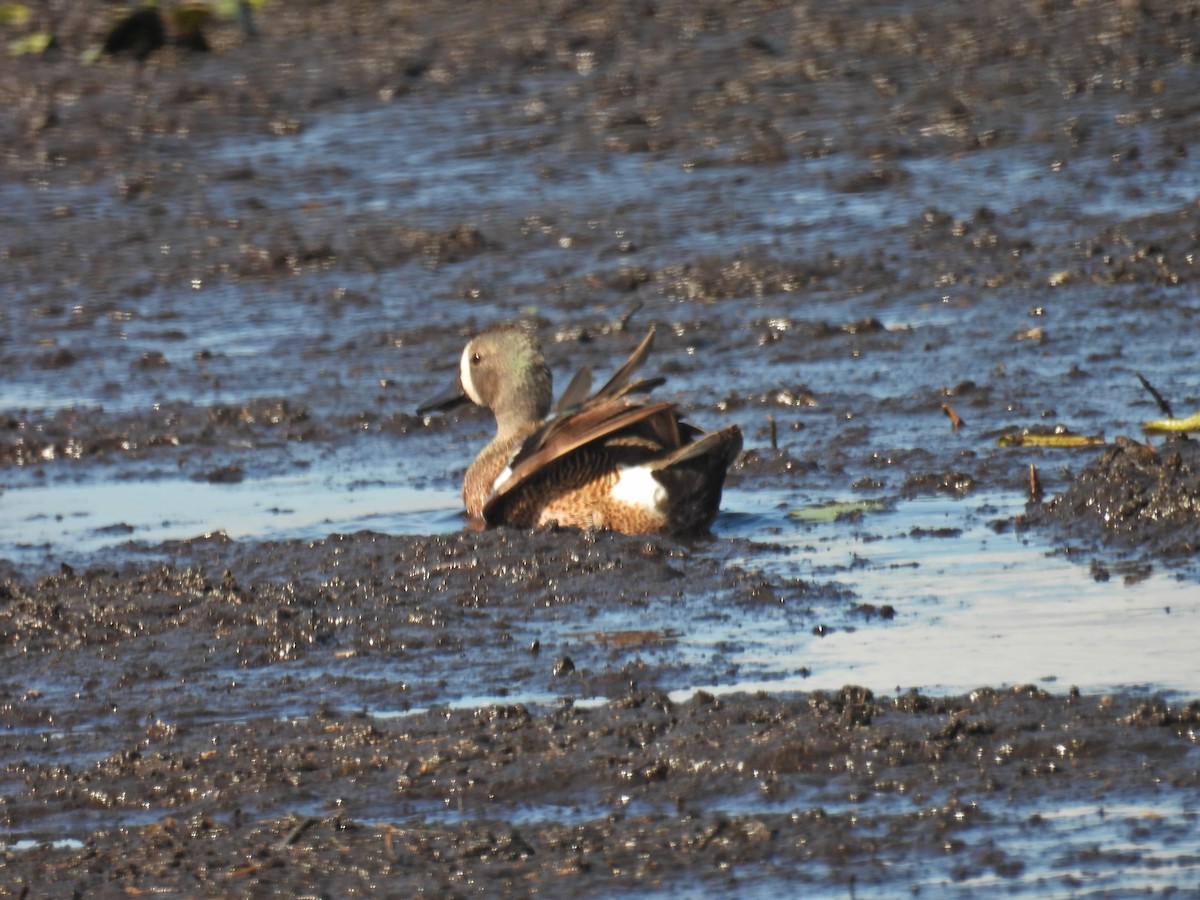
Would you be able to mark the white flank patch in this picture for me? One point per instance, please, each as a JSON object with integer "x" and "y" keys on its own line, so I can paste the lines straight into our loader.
{"x": 638, "y": 487}
{"x": 464, "y": 376}
{"x": 501, "y": 478}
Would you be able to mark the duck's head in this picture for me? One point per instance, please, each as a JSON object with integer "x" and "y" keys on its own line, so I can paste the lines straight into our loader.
{"x": 502, "y": 369}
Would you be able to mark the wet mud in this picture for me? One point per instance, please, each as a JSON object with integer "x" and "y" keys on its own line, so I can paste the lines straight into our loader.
{"x": 252, "y": 262}
{"x": 1140, "y": 497}
{"x": 840, "y": 791}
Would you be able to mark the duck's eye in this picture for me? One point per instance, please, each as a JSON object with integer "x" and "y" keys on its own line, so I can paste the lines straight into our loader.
{"x": 475, "y": 359}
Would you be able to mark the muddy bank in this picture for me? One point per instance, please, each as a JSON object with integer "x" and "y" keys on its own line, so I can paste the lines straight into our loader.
{"x": 251, "y": 718}
{"x": 221, "y": 629}
{"x": 841, "y": 791}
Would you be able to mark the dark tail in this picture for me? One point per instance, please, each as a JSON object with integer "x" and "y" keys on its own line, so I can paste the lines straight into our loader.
{"x": 694, "y": 476}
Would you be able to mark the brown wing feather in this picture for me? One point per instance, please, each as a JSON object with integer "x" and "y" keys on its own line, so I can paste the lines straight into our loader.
{"x": 641, "y": 386}
{"x": 618, "y": 386}
{"x": 666, "y": 430}
{"x": 636, "y": 358}
{"x": 576, "y": 392}
{"x": 731, "y": 437}
{"x": 592, "y": 423}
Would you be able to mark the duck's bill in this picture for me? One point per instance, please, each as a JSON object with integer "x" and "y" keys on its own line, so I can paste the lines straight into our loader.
{"x": 456, "y": 396}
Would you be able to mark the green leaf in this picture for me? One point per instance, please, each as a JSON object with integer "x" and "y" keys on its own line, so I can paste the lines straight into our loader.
{"x": 823, "y": 513}
{"x": 35, "y": 43}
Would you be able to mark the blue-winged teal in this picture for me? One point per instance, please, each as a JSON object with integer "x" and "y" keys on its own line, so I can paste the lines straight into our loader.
{"x": 608, "y": 460}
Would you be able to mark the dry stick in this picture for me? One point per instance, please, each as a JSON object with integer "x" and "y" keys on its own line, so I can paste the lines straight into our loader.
{"x": 294, "y": 834}
{"x": 955, "y": 421}
{"x": 1158, "y": 398}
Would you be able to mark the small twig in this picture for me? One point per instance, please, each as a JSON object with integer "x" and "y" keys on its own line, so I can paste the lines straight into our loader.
{"x": 245, "y": 17}
{"x": 771, "y": 426}
{"x": 389, "y": 845}
{"x": 955, "y": 422}
{"x": 294, "y": 834}
{"x": 1035, "y": 484}
{"x": 623, "y": 322}
{"x": 1158, "y": 398}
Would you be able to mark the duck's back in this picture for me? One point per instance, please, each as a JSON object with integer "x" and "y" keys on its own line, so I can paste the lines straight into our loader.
{"x": 632, "y": 467}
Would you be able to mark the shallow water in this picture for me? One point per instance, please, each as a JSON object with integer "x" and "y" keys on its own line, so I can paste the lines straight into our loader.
{"x": 976, "y": 602}
{"x": 69, "y": 521}
{"x": 1086, "y": 850}
{"x": 975, "y": 607}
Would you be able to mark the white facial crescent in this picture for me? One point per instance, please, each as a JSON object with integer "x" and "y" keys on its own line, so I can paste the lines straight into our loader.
{"x": 464, "y": 376}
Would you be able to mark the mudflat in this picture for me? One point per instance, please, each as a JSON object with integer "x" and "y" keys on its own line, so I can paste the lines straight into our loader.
{"x": 236, "y": 273}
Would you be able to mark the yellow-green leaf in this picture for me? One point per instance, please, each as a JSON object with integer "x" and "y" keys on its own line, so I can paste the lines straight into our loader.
{"x": 191, "y": 17}
{"x": 32, "y": 43}
{"x": 1050, "y": 440}
{"x": 1191, "y": 423}
{"x": 14, "y": 14}
{"x": 228, "y": 9}
{"x": 829, "y": 512}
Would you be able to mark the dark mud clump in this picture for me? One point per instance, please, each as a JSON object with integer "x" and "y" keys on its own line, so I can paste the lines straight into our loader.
{"x": 1132, "y": 495}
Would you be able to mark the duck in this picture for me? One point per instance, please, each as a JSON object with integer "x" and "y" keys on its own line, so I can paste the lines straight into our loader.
{"x": 613, "y": 459}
